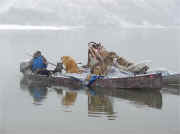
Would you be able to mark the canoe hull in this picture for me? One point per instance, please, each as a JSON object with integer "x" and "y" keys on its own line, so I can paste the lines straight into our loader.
{"x": 152, "y": 81}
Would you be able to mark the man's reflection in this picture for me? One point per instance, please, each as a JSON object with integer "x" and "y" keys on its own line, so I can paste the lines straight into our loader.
{"x": 38, "y": 94}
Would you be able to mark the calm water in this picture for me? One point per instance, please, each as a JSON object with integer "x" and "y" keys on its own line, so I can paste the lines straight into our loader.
{"x": 27, "y": 109}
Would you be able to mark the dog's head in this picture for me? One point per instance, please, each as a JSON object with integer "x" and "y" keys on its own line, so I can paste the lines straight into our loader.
{"x": 64, "y": 59}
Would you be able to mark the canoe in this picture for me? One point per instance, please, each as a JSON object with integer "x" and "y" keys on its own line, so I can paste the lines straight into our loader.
{"x": 146, "y": 81}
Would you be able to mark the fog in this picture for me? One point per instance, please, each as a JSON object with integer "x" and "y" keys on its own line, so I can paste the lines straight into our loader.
{"x": 121, "y": 13}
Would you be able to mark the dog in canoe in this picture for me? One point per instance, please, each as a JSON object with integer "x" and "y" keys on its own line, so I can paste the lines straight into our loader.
{"x": 70, "y": 65}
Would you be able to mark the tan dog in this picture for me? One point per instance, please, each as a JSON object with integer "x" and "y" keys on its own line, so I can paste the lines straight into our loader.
{"x": 70, "y": 64}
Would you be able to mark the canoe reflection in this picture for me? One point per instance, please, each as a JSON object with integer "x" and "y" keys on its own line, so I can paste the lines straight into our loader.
{"x": 173, "y": 89}
{"x": 136, "y": 96}
{"x": 100, "y": 101}
{"x": 38, "y": 93}
{"x": 99, "y": 105}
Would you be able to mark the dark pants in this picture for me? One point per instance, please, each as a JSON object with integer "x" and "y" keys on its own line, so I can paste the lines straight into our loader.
{"x": 44, "y": 72}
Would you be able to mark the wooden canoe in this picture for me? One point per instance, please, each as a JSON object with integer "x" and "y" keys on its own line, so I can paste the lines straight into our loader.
{"x": 147, "y": 81}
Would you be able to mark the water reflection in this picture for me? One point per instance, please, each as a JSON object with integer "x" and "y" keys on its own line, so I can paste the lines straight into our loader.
{"x": 173, "y": 89}
{"x": 100, "y": 105}
{"x": 69, "y": 98}
{"x": 143, "y": 97}
{"x": 38, "y": 93}
{"x": 100, "y": 101}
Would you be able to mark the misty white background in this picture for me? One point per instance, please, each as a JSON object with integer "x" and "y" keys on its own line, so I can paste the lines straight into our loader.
{"x": 122, "y": 13}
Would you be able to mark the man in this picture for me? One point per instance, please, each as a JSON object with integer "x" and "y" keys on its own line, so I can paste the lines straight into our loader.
{"x": 39, "y": 64}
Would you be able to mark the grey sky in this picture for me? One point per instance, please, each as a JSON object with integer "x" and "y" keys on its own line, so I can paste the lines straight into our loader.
{"x": 118, "y": 12}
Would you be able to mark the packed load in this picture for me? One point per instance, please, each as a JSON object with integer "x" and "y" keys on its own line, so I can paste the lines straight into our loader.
{"x": 102, "y": 62}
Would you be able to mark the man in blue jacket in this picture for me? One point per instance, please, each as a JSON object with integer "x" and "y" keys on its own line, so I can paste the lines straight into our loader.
{"x": 39, "y": 64}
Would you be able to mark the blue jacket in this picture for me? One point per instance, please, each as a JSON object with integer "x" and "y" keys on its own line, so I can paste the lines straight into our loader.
{"x": 38, "y": 63}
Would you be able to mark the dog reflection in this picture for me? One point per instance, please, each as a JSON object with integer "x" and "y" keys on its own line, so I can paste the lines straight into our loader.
{"x": 69, "y": 98}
